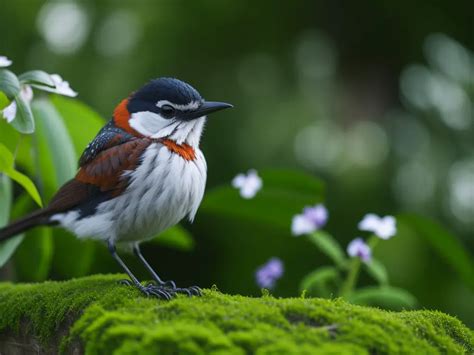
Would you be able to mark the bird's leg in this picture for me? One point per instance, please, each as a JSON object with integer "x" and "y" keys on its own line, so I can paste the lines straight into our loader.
{"x": 190, "y": 291}
{"x": 159, "y": 292}
{"x": 154, "y": 275}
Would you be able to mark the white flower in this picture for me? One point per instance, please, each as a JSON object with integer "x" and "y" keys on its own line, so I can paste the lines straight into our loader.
{"x": 26, "y": 93}
{"x": 312, "y": 219}
{"x": 9, "y": 112}
{"x": 359, "y": 248}
{"x": 4, "y": 61}
{"x": 382, "y": 227}
{"x": 301, "y": 225}
{"x": 61, "y": 86}
{"x": 248, "y": 184}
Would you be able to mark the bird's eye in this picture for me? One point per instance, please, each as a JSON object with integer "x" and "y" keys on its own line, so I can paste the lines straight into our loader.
{"x": 167, "y": 111}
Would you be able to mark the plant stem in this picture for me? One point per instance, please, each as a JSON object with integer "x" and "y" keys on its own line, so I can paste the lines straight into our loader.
{"x": 354, "y": 269}
{"x": 351, "y": 278}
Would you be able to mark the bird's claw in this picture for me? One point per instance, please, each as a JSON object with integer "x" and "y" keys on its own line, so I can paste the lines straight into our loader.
{"x": 125, "y": 282}
{"x": 168, "y": 284}
{"x": 158, "y": 292}
{"x": 166, "y": 290}
{"x": 190, "y": 291}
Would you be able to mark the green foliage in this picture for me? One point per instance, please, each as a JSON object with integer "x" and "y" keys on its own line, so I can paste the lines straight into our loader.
{"x": 329, "y": 246}
{"x": 8, "y": 247}
{"x": 53, "y": 135}
{"x": 7, "y": 168}
{"x": 385, "y": 296}
{"x": 37, "y": 77}
{"x": 444, "y": 243}
{"x": 9, "y": 83}
{"x": 81, "y": 121}
{"x": 24, "y": 121}
{"x": 322, "y": 281}
{"x": 112, "y": 318}
{"x": 33, "y": 258}
{"x": 176, "y": 237}
{"x": 4, "y": 102}
{"x": 283, "y": 194}
{"x": 377, "y": 270}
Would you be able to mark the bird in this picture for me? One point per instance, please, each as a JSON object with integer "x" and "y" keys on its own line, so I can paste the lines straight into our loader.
{"x": 142, "y": 174}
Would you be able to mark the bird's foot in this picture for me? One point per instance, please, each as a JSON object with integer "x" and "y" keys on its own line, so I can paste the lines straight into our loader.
{"x": 160, "y": 292}
{"x": 152, "y": 290}
{"x": 125, "y": 282}
{"x": 190, "y": 291}
{"x": 170, "y": 285}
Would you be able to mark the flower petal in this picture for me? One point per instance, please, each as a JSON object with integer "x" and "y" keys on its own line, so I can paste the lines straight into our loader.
{"x": 62, "y": 87}
{"x": 317, "y": 214}
{"x": 9, "y": 112}
{"x": 267, "y": 274}
{"x": 26, "y": 93}
{"x": 387, "y": 227}
{"x": 248, "y": 184}
{"x": 370, "y": 222}
{"x": 301, "y": 225}
{"x": 4, "y": 61}
{"x": 359, "y": 248}
{"x": 382, "y": 227}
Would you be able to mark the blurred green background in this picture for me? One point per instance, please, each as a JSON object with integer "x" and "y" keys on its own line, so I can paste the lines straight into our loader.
{"x": 375, "y": 98}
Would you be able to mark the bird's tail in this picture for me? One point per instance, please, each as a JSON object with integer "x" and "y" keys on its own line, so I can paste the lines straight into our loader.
{"x": 37, "y": 218}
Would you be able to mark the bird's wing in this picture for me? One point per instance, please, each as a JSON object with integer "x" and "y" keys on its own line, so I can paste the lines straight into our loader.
{"x": 108, "y": 137}
{"x": 100, "y": 178}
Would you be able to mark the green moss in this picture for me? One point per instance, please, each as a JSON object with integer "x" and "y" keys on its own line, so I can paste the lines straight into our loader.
{"x": 105, "y": 317}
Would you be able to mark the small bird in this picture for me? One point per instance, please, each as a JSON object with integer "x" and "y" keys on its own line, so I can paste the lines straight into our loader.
{"x": 143, "y": 173}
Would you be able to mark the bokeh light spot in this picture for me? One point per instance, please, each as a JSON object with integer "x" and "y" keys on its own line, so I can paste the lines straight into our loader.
{"x": 64, "y": 26}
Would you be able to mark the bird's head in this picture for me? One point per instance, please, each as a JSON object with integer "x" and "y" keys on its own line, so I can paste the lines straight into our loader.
{"x": 166, "y": 108}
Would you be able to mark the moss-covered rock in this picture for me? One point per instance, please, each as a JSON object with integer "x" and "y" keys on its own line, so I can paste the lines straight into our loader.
{"x": 97, "y": 315}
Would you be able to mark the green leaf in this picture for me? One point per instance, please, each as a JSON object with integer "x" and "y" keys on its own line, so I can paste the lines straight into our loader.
{"x": 8, "y": 247}
{"x": 24, "y": 121}
{"x": 37, "y": 77}
{"x": 73, "y": 257}
{"x": 4, "y": 101}
{"x": 322, "y": 282}
{"x": 176, "y": 237}
{"x": 444, "y": 243}
{"x": 6, "y": 158}
{"x": 383, "y": 296}
{"x": 329, "y": 246}
{"x": 284, "y": 194}
{"x": 5, "y": 197}
{"x": 377, "y": 270}
{"x": 53, "y": 133}
{"x": 9, "y": 83}
{"x": 81, "y": 121}
{"x": 27, "y": 184}
{"x": 33, "y": 258}
{"x": 6, "y": 167}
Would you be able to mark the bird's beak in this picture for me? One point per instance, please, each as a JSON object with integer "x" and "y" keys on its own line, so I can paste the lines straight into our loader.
{"x": 206, "y": 108}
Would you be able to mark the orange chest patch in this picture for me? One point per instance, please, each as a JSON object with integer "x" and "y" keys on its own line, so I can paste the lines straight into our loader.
{"x": 184, "y": 150}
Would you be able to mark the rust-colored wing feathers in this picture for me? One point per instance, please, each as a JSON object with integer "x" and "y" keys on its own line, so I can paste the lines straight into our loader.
{"x": 106, "y": 170}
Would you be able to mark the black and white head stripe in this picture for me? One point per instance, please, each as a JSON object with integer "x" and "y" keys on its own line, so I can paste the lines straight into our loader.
{"x": 162, "y": 91}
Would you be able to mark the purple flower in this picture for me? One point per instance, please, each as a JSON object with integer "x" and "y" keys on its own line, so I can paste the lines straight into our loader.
{"x": 267, "y": 274}
{"x": 382, "y": 227}
{"x": 312, "y": 219}
{"x": 248, "y": 184}
{"x": 359, "y": 248}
